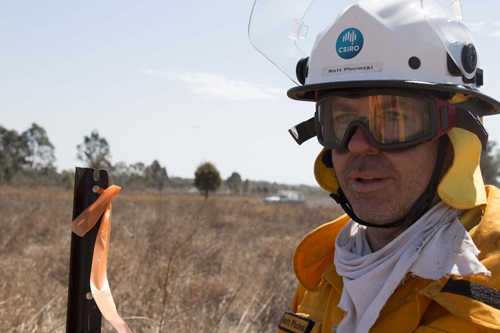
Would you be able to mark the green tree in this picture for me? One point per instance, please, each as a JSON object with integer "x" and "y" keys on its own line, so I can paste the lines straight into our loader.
{"x": 246, "y": 186}
{"x": 67, "y": 179}
{"x": 137, "y": 175}
{"x": 156, "y": 175}
{"x": 119, "y": 174}
{"x": 40, "y": 151}
{"x": 13, "y": 153}
{"x": 94, "y": 151}
{"x": 27, "y": 157}
{"x": 234, "y": 182}
{"x": 490, "y": 164}
{"x": 207, "y": 178}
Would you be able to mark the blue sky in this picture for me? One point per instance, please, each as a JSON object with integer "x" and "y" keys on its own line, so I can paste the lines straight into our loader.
{"x": 178, "y": 82}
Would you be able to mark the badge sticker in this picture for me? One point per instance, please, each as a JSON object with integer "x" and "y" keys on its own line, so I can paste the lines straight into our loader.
{"x": 349, "y": 43}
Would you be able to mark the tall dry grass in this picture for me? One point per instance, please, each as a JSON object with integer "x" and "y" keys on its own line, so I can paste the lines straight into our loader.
{"x": 177, "y": 263}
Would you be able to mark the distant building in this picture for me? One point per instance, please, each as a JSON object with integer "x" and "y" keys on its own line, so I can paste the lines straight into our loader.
{"x": 285, "y": 197}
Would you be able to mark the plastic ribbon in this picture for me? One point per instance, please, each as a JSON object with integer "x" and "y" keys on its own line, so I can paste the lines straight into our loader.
{"x": 99, "y": 285}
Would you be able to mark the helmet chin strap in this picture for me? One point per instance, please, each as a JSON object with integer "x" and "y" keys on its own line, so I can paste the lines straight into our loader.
{"x": 422, "y": 204}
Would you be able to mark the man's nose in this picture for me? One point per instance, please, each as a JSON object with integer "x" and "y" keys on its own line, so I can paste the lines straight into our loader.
{"x": 360, "y": 144}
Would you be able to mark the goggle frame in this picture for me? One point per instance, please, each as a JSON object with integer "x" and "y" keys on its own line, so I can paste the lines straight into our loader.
{"x": 443, "y": 117}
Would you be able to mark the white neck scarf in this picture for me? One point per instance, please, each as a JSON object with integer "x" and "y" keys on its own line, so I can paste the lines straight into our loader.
{"x": 435, "y": 246}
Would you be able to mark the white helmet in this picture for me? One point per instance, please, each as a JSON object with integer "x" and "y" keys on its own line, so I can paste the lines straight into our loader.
{"x": 394, "y": 43}
{"x": 414, "y": 44}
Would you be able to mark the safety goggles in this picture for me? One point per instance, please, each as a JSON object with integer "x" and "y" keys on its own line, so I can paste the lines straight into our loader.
{"x": 390, "y": 119}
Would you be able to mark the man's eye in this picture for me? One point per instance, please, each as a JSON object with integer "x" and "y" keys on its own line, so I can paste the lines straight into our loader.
{"x": 392, "y": 115}
{"x": 343, "y": 118}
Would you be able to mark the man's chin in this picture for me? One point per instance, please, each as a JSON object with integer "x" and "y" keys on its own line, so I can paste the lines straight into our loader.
{"x": 377, "y": 217}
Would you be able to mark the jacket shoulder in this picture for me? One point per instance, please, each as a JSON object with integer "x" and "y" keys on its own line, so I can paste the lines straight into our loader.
{"x": 314, "y": 254}
{"x": 476, "y": 298}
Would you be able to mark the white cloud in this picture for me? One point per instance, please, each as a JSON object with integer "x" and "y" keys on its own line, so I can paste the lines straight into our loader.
{"x": 488, "y": 28}
{"x": 476, "y": 26}
{"x": 484, "y": 27}
{"x": 496, "y": 30}
{"x": 222, "y": 87}
{"x": 155, "y": 72}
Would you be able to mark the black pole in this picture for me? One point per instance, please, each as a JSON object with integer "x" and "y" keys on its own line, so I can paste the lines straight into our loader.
{"x": 83, "y": 315}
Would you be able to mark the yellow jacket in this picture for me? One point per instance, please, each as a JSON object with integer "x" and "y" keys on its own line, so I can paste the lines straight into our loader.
{"x": 455, "y": 304}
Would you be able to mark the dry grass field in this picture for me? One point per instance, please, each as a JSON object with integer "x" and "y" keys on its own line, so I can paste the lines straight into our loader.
{"x": 177, "y": 263}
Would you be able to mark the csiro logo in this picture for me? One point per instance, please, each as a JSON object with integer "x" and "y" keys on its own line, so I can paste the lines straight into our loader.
{"x": 349, "y": 43}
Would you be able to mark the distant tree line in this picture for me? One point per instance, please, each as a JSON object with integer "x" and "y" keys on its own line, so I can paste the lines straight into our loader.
{"x": 28, "y": 158}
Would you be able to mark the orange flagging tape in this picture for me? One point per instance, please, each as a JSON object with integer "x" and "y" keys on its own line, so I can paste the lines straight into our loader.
{"x": 98, "y": 277}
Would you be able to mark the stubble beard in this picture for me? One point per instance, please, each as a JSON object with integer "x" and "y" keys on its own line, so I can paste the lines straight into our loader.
{"x": 378, "y": 207}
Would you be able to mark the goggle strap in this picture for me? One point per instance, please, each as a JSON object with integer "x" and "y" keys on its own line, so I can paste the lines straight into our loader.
{"x": 480, "y": 108}
{"x": 327, "y": 159}
{"x": 303, "y": 131}
{"x": 471, "y": 123}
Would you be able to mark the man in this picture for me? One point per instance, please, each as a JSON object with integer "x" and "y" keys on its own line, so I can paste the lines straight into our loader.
{"x": 398, "y": 113}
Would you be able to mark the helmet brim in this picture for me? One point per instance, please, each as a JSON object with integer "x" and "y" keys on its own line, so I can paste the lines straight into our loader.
{"x": 483, "y": 104}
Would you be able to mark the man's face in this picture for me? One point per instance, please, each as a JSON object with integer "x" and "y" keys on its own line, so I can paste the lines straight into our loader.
{"x": 383, "y": 186}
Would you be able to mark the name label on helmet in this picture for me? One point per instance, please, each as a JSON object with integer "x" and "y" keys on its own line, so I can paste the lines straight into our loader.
{"x": 353, "y": 69}
{"x": 349, "y": 43}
